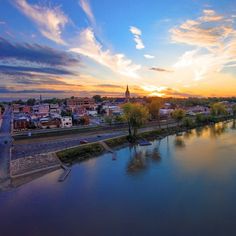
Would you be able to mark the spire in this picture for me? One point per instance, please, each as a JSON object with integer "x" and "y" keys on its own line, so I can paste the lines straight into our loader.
{"x": 127, "y": 93}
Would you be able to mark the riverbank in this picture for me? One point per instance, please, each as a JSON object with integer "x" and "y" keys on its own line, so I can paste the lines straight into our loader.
{"x": 95, "y": 149}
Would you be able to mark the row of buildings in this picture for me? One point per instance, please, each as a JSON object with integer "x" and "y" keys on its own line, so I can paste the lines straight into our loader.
{"x": 76, "y": 110}
{"x": 84, "y": 111}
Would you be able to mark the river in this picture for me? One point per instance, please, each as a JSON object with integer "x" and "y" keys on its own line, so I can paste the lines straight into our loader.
{"x": 180, "y": 185}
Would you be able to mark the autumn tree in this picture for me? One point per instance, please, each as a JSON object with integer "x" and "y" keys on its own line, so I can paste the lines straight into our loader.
{"x": 218, "y": 109}
{"x": 234, "y": 111}
{"x": 135, "y": 115}
{"x": 154, "y": 109}
{"x": 178, "y": 115}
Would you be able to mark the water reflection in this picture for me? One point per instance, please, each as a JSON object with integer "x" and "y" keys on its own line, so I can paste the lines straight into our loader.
{"x": 188, "y": 134}
{"x": 200, "y": 130}
{"x": 197, "y": 181}
{"x": 179, "y": 142}
{"x": 140, "y": 157}
{"x": 218, "y": 129}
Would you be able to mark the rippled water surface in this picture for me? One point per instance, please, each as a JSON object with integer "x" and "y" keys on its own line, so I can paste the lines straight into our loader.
{"x": 183, "y": 185}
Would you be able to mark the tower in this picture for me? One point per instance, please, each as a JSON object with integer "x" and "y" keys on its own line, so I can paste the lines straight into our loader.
{"x": 127, "y": 93}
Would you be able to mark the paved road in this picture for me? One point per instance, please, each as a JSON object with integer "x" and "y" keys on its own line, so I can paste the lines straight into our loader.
{"x": 5, "y": 144}
{"x": 23, "y": 150}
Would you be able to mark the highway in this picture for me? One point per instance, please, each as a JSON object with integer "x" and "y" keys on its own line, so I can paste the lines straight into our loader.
{"x": 5, "y": 144}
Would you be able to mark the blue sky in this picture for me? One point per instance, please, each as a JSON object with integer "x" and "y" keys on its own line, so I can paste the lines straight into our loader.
{"x": 163, "y": 48}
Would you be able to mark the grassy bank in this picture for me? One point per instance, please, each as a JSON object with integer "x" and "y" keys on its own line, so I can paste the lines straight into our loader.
{"x": 87, "y": 151}
{"x": 80, "y": 153}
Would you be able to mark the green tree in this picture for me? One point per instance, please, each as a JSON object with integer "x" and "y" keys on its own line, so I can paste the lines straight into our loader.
{"x": 218, "y": 109}
{"x": 119, "y": 119}
{"x": 188, "y": 122}
{"x": 154, "y": 110}
{"x": 66, "y": 113}
{"x": 108, "y": 119}
{"x": 127, "y": 109}
{"x": 178, "y": 115}
{"x": 31, "y": 101}
{"x": 97, "y": 98}
{"x": 135, "y": 115}
{"x": 234, "y": 111}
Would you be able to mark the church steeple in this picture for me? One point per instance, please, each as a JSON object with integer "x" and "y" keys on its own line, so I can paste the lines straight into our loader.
{"x": 127, "y": 93}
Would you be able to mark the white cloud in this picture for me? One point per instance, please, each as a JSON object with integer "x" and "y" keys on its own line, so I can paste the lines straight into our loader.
{"x": 209, "y": 30}
{"x": 90, "y": 47}
{"x": 88, "y": 11}
{"x": 135, "y": 31}
{"x": 50, "y": 21}
{"x": 149, "y": 56}
{"x": 214, "y": 38}
{"x": 137, "y": 37}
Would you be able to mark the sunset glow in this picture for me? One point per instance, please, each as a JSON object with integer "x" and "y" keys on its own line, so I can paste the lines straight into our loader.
{"x": 84, "y": 48}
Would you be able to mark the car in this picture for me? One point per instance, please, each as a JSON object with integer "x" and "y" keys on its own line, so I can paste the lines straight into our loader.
{"x": 99, "y": 136}
{"x": 83, "y": 141}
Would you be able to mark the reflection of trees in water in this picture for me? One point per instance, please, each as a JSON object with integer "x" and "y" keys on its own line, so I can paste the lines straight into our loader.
{"x": 155, "y": 154}
{"x": 200, "y": 130}
{"x": 218, "y": 129}
{"x": 179, "y": 142}
{"x": 233, "y": 124}
{"x": 140, "y": 158}
{"x": 188, "y": 134}
{"x": 137, "y": 162}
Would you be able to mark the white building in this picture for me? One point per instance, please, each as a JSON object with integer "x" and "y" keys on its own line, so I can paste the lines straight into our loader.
{"x": 92, "y": 113}
{"x": 66, "y": 122}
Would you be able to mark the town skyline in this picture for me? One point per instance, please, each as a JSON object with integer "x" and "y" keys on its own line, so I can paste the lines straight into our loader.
{"x": 85, "y": 48}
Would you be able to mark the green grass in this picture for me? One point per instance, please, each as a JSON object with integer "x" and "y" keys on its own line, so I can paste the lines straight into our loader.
{"x": 80, "y": 153}
{"x": 114, "y": 142}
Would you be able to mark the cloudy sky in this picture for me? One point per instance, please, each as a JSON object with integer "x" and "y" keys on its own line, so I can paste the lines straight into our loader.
{"x": 80, "y": 47}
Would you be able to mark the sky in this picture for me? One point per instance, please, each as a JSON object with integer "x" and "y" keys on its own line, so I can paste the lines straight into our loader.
{"x": 63, "y": 48}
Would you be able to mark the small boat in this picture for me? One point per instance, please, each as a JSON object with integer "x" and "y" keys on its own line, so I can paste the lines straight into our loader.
{"x": 144, "y": 143}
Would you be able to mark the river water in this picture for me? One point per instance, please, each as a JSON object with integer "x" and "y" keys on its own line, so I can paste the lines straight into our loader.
{"x": 180, "y": 185}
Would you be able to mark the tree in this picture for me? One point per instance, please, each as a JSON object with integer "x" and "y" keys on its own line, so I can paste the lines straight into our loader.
{"x": 188, "y": 122}
{"x": 218, "y": 109}
{"x": 154, "y": 109}
{"x": 97, "y": 98}
{"x": 108, "y": 120}
{"x": 84, "y": 120}
{"x": 31, "y": 101}
{"x": 234, "y": 110}
{"x": 135, "y": 115}
{"x": 66, "y": 113}
{"x": 178, "y": 115}
{"x": 119, "y": 119}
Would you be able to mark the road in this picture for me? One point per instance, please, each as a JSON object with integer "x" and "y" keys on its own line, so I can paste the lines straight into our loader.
{"x": 22, "y": 150}
{"x": 42, "y": 146}
{"x": 5, "y": 144}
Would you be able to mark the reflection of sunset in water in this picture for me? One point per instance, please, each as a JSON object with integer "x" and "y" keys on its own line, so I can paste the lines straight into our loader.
{"x": 210, "y": 151}
{"x": 186, "y": 178}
